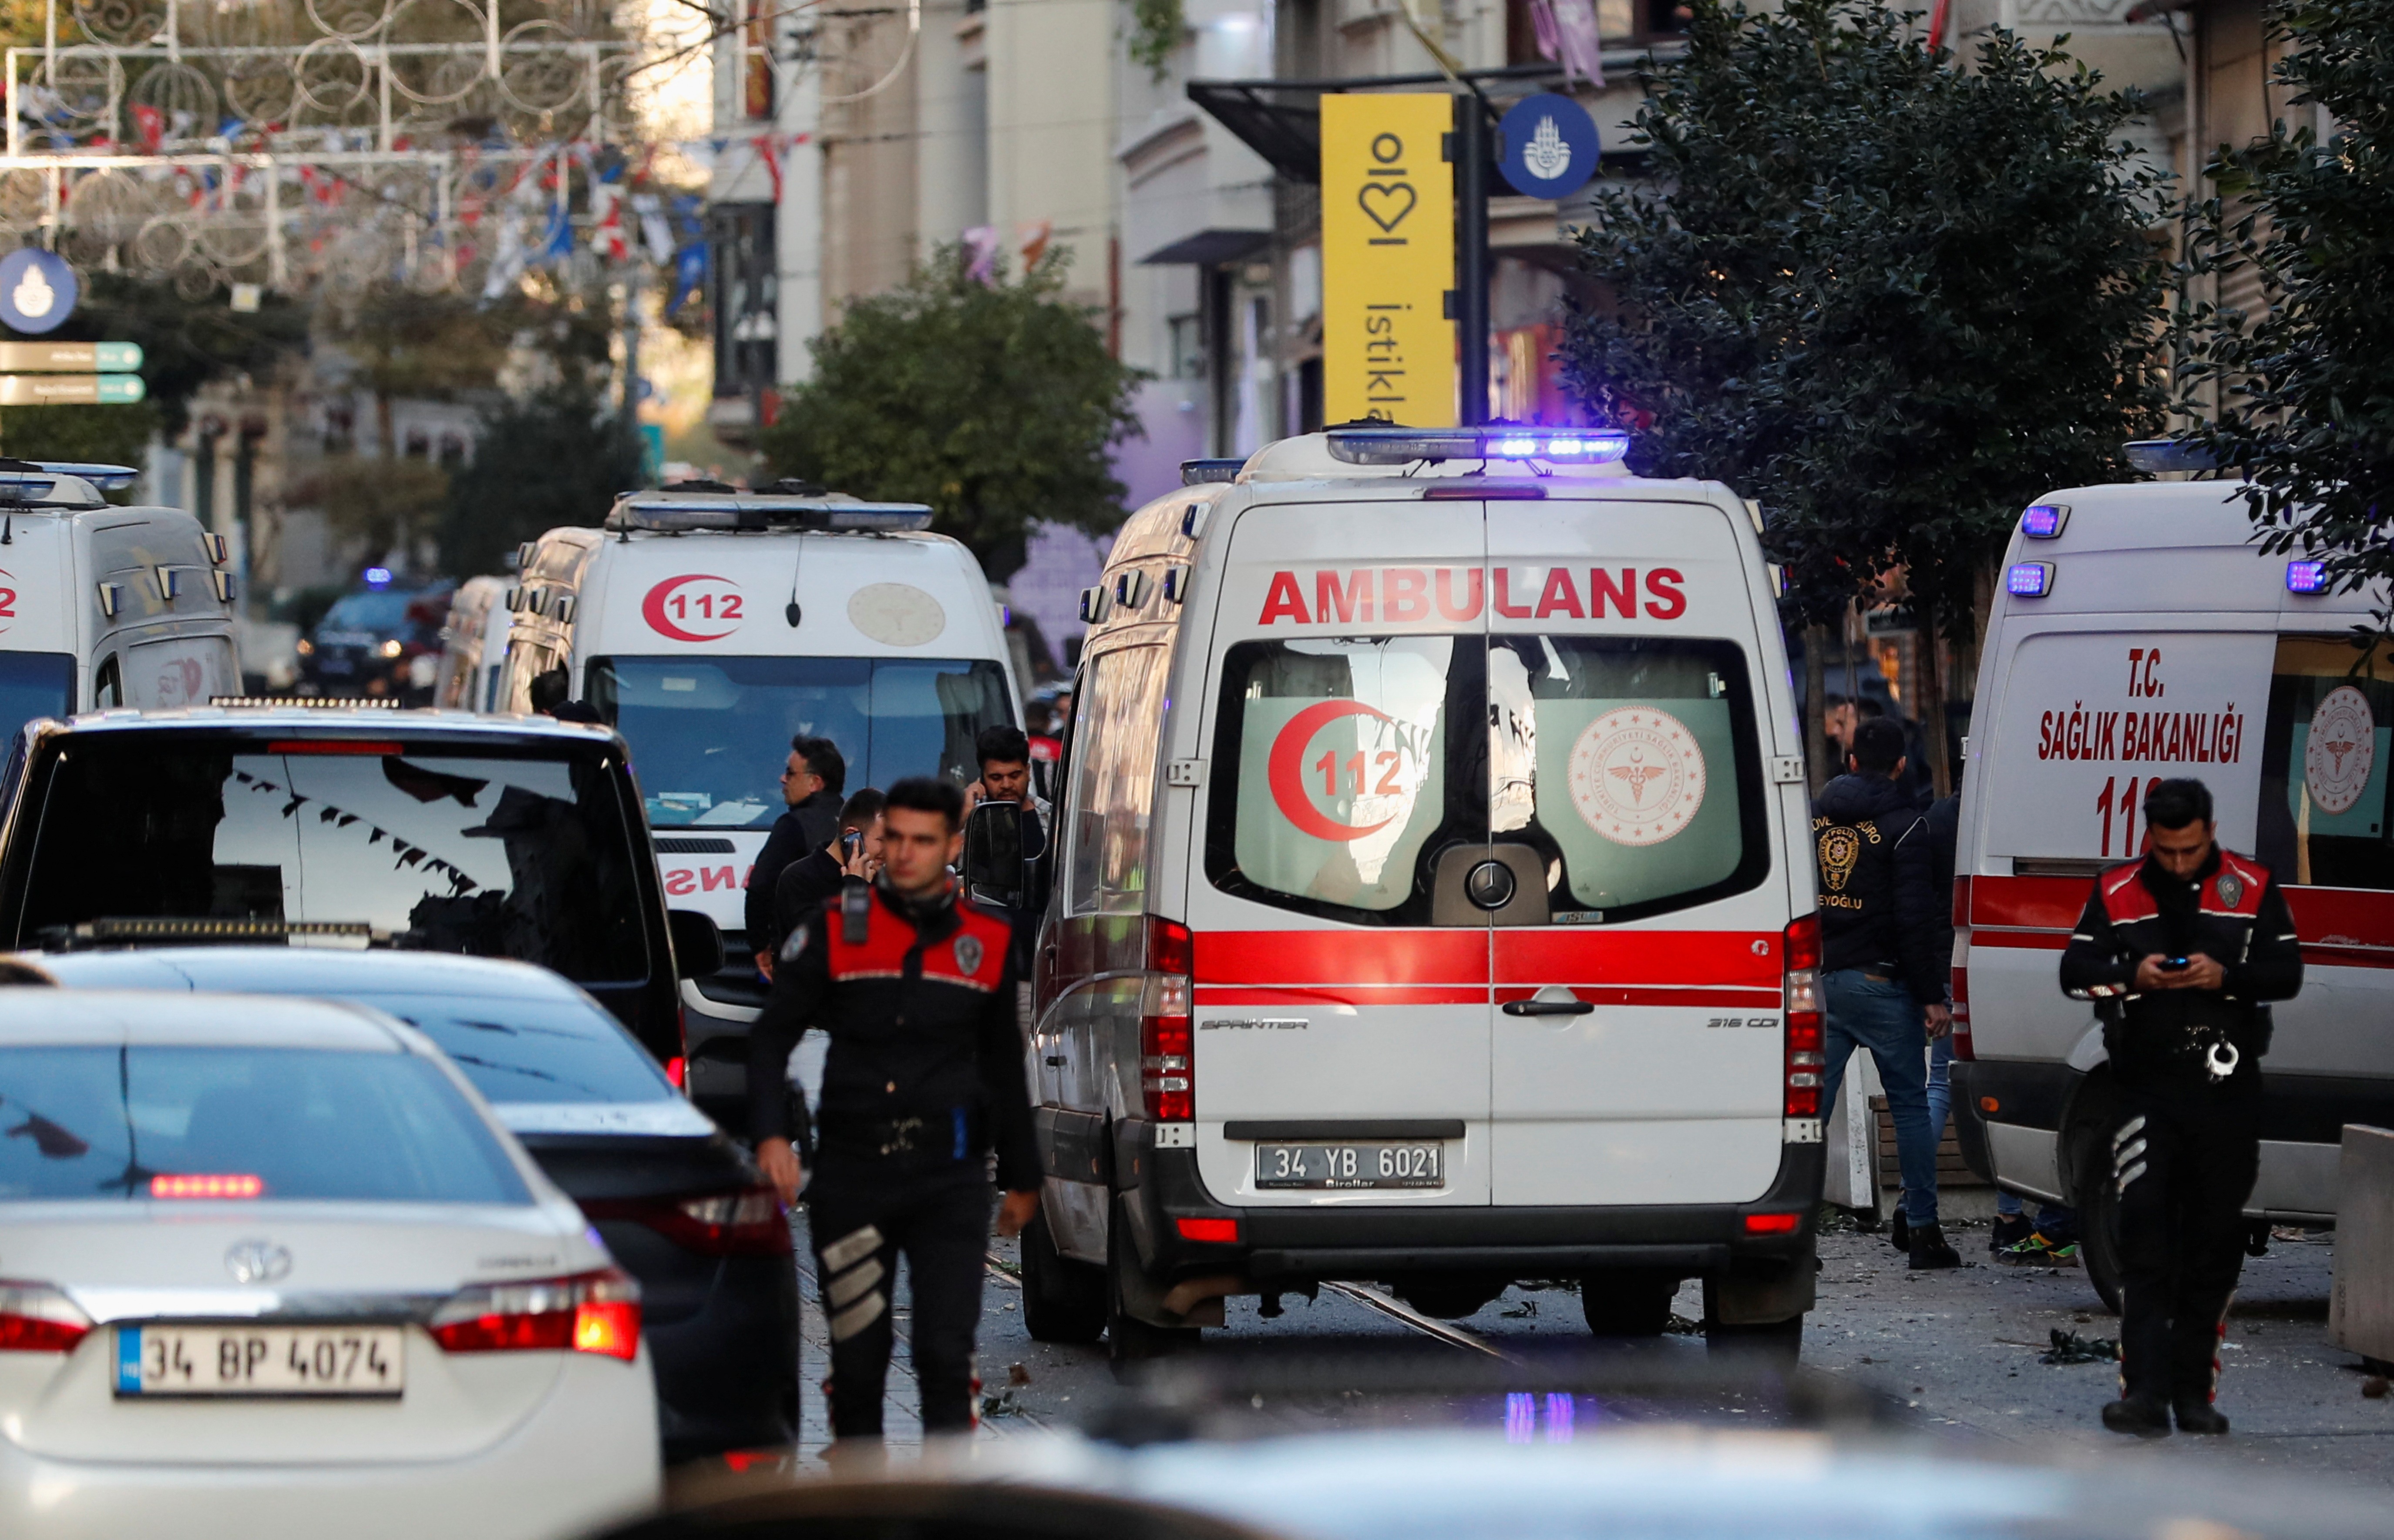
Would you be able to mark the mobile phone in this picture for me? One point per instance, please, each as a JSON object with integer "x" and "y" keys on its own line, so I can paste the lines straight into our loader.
{"x": 850, "y": 844}
{"x": 2175, "y": 964}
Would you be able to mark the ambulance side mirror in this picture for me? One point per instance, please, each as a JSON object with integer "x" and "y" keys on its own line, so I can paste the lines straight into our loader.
{"x": 697, "y": 944}
{"x": 1005, "y": 862}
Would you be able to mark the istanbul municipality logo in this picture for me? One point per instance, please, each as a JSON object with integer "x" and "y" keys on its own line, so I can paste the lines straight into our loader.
{"x": 1547, "y": 156}
{"x": 1550, "y": 146}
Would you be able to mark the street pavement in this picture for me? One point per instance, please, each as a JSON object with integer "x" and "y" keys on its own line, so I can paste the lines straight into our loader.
{"x": 1948, "y": 1357}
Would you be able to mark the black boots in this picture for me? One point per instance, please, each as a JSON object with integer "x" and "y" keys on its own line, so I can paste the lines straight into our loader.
{"x": 1930, "y": 1250}
{"x": 2196, "y": 1414}
{"x": 2144, "y": 1415}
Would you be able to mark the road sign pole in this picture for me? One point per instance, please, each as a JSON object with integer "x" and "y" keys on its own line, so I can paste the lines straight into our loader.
{"x": 1471, "y": 167}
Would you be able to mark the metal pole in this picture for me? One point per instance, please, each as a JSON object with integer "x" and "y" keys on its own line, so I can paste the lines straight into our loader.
{"x": 1471, "y": 254}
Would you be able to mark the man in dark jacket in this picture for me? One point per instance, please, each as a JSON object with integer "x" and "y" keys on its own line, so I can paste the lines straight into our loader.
{"x": 2181, "y": 951}
{"x": 812, "y": 880}
{"x": 916, "y": 987}
{"x": 1882, "y": 977}
{"x": 813, "y": 780}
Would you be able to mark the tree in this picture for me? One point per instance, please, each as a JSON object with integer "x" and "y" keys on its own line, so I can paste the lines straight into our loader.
{"x": 384, "y": 504}
{"x": 555, "y": 458}
{"x": 1890, "y": 298}
{"x": 995, "y": 402}
{"x": 2300, "y": 398}
{"x": 184, "y": 343}
{"x": 100, "y": 435}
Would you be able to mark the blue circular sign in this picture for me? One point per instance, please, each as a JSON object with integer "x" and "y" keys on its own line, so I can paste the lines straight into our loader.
{"x": 1550, "y": 146}
{"x": 37, "y": 289}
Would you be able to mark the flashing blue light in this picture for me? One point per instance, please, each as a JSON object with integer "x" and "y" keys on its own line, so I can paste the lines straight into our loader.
{"x": 2307, "y": 576}
{"x": 2028, "y": 579}
{"x": 2044, "y": 521}
{"x": 1559, "y": 1417}
{"x": 1395, "y": 446}
{"x": 377, "y": 577}
{"x": 1514, "y": 449}
{"x": 1520, "y": 1416}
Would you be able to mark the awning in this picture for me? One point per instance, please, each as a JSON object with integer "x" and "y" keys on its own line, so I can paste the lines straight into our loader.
{"x": 1208, "y": 249}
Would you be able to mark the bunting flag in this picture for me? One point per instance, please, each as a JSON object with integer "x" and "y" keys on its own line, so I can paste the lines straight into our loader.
{"x": 981, "y": 253}
{"x": 771, "y": 153}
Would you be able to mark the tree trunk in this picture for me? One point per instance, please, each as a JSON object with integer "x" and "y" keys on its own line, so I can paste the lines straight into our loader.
{"x": 1930, "y": 674}
{"x": 1816, "y": 686}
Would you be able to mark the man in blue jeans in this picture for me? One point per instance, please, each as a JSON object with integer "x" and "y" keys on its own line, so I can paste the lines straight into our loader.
{"x": 1882, "y": 977}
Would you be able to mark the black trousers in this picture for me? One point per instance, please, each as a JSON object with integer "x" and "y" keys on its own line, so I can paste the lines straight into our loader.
{"x": 862, "y": 1216}
{"x": 2184, "y": 1158}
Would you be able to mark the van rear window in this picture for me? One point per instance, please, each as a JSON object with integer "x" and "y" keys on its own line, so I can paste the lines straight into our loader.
{"x": 1631, "y": 766}
{"x": 2324, "y": 817}
{"x": 530, "y": 856}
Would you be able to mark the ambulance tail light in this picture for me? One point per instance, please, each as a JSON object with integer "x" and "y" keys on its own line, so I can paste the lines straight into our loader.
{"x": 1166, "y": 1056}
{"x": 1959, "y": 984}
{"x": 1804, "y": 1047}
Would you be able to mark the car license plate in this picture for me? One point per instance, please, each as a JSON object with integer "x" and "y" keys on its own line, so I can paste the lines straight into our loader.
{"x": 260, "y": 1360}
{"x": 1361, "y": 1164}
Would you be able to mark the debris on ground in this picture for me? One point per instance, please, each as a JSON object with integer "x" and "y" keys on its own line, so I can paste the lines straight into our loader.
{"x": 1526, "y": 1309}
{"x": 2071, "y": 1348}
{"x": 2374, "y": 1387}
{"x": 1002, "y": 1404}
{"x": 1016, "y": 1374}
{"x": 1679, "y": 1325}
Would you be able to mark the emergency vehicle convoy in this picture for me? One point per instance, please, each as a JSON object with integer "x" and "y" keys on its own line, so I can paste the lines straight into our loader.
{"x": 2141, "y": 635}
{"x": 711, "y": 626}
{"x": 1434, "y": 902}
{"x": 103, "y": 606}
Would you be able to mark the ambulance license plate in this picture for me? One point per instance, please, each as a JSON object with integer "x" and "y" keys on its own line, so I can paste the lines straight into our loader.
{"x": 260, "y": 1360}
{"x": 1360, "y": 1164}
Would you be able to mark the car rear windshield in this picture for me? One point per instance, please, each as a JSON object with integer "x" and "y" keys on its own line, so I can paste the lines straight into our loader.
{"x": 525, "y": 853}
{"x": 32, "y": 684}
{"x": 1630, "y": 765}
{"x": 710, "y": 736}
{"x": 533, "y": 1050}
{"x": 215, "y": 1125}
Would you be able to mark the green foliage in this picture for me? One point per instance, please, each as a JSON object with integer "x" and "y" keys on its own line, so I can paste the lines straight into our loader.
{"x": 995, "y": 403}
{"x": 1890, "y": 298}
{"x": 557, "y": 458}
{"x": 1155, "y": 29}
{"x": 386, "y": 503}
{"x": 2301, "y": 398}
{"x": 184, "y": 343}
{"x": 95, "y": 435}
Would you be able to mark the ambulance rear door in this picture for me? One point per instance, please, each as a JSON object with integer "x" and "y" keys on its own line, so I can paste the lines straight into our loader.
{"x": 1341, "y": 993}
{"x": 1637, "y": 1051}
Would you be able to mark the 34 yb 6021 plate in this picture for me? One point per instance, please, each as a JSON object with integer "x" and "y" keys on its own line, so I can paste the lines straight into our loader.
{"x": 260, "y": 1360}
{"x": 1362, "y": 1163}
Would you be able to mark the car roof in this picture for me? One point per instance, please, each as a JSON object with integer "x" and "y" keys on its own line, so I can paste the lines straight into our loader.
{"x": 36, "y": 1016}
{"x": 337, "y": 972}
{"x": 299, "y": 721}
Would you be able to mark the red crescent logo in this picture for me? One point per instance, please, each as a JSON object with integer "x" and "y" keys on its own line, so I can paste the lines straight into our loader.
{"x": 1285, "y": 770}
{"x": 652, "y": 609}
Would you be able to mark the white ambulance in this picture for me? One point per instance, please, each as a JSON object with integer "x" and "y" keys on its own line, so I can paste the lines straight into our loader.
{"x": 1435, "y": 903}
{"x": 2142, "y": 634}
{"x": 710, "y": 627}
{"x": 474, "y": 647}
{"x": 105, "y": 605}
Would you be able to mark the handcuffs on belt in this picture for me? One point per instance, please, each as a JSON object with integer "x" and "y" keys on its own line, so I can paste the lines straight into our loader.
{"x": 2221, "y": 1059}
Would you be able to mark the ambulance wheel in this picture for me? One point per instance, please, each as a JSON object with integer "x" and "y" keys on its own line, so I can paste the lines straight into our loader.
{"x": 1129, "y": 1341}
{"x": 1062, "y": 1300}
{"x": 2098, "y": 1223}
{"x": 1627, "y": 1304}
{"x": 1778, "y": 1345}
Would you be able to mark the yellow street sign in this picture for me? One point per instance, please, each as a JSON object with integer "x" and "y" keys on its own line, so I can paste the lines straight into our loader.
{"x": 1387, "y": 258}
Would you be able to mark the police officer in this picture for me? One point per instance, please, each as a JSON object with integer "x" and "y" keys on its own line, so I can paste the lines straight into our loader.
{"x": 916, "y": 987}
{"x": 2180, "y": 951}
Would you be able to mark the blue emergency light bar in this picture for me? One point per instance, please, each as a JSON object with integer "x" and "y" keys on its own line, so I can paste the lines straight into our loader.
{"x": 2307, "y": 576}
{"x": 676, "y": 512}
{"x": 2028, "y": 579}
{"x": 2155, "y": 456}
{"x": 1396, "y": 446}
{"x": 2044, "y": 520}
{"x": 1198, "y": 472}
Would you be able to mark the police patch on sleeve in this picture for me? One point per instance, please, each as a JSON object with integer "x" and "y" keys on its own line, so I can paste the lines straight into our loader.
{"x": 796, "y": 944}
{"x": 2231, "y": 888}
{"x": 968, "y": 955}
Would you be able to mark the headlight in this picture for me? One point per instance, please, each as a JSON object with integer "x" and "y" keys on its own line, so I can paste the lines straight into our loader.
{"x": 392, "y": 648}
{"x": 307, "y": 649}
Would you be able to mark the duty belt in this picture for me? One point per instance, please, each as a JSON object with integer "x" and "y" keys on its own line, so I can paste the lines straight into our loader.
{"x": 949, "y": 1133}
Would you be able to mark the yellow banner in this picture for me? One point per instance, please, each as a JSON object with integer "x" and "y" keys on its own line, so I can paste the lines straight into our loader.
{"x": 1387, "y": 258}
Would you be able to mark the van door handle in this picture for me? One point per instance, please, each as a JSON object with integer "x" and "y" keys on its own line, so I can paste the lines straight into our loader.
{"x": 1548, "y": 1007}
{"x": 1053, "y": 1059}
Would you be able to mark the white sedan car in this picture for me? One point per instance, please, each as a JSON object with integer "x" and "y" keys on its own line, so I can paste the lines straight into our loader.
{"x": 269, "y": 1267}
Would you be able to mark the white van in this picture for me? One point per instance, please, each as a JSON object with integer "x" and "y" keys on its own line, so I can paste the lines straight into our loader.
{"x": 710, "y": 627}
{"x": 2141, "y": 635}
{"x": 474, "y": 647}
{"x": 103, "y": 605}
{"x": 1435, "y": 902}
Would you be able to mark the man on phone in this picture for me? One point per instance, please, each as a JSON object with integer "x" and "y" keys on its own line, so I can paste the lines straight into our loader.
{"x": 1005, "y": 755}
{"x": 805, "y": 884}
{"x": 2180, "y": 953}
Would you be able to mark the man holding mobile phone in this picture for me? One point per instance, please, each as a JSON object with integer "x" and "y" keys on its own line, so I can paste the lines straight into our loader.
{"x": 854, "y": 851}
{"x": 2181, "y": 952}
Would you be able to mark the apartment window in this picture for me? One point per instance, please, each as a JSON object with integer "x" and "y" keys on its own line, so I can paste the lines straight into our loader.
{"x": 1185, "y": 355}
{"x": 746, "y": 298}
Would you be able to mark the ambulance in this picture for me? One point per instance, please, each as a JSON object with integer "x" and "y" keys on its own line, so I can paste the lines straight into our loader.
{"x": 1434, "y": 902}
{"x": 473, "y": 647}
{"x": 2142, "y": 635}
{"x": 711, "y": 627}
{"x": 105, "y": 605}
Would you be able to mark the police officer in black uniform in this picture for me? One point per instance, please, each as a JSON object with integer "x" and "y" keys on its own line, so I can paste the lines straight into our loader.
{"x": 916, "y": 987}
{"x": 2181, "y": 951}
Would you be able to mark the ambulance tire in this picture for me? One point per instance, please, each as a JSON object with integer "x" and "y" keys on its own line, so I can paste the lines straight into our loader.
{"x": 1062, "y": 1300}
{"x": 2098, "y": 1223}
{"x": 1627, "y": 1304}
{"x": 1130, "y": 1341}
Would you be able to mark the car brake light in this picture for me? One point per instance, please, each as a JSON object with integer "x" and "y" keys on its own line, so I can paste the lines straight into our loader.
{"x": 589, "y": 1312}
{"x": 1223, "y": 1232}
{"x": 1167, "y": 1071}
{"x": 1805, "y": 1047}
{"x": 35, "y": 1318}
{"x": 207, "y": 1185}
{"x": 1771, "y": 1224}
{"x": 677, "y": 1071}
{"x": 747, "y": 1223}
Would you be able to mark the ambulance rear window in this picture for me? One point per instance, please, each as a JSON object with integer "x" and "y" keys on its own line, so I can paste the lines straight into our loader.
{"x": 2324, "y": 819}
